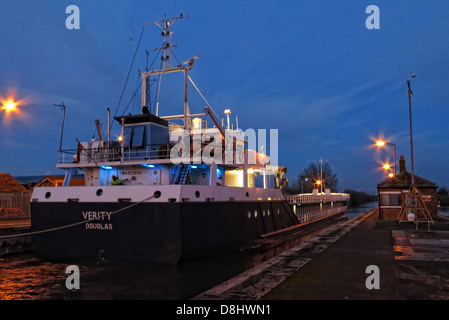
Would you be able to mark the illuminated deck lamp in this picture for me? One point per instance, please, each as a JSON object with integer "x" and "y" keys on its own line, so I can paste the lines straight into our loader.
{"x": 228, "y": 112}
{"x": 196, "y": 122}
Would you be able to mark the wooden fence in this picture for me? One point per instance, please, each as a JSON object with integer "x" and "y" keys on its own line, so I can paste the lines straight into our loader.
{"x": 15, "y": 205}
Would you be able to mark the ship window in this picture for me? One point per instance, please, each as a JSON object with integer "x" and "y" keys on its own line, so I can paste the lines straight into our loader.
{"x": 48, "y": 195}
{"x": 268, "y": 212}
{"x": 263, "y": 212}
{"x": 247, "y": 194}
{"x": 255, "y": 213}
{"x": 249, "y": 214}
{"x": 197, "y": 194}
{"x": 127, "y": 136}
{"x": 137, "y": 140}
{"x": 99, "y": 192}
{"x": 157, "y": 194}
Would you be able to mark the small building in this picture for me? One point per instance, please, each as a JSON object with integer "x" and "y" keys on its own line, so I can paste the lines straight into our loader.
{"x": 14, "y": 198}
{"x": 392, "y": 193}
{"x": 57, "y": 181}
{"x": 30, "y": 182}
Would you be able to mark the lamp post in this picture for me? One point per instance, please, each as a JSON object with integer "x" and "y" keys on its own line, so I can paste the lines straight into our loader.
{"x": 62, "y": 106}
{"x": 381, "y": 143}
{"x": 302, "y": 184}
{"x": 409, "y": 94}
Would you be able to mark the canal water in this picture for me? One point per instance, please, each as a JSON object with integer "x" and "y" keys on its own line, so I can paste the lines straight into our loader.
{"x": 27, "y": 277}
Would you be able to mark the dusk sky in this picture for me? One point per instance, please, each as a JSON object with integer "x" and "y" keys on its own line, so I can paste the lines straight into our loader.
{"x": 311, "y": 69}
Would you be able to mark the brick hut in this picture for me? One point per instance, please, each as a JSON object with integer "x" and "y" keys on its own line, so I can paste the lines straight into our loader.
{"x": 14, "y": 198}
{"x": 392, "y": 193}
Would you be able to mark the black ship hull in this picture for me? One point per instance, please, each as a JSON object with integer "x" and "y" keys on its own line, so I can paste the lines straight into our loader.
{"x": 158, "y": 232}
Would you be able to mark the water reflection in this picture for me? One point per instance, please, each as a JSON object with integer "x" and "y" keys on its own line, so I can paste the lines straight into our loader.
{"x": 352, "y": 212}
{"x": 27, "y": 277}
{"x": 443, "y": 210}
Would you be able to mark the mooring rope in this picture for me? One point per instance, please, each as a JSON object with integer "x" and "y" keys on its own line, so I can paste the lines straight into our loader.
{"x": 72, "y": 224}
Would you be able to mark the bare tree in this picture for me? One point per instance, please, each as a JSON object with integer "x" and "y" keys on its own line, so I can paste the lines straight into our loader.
{"x": 307, "y": 181}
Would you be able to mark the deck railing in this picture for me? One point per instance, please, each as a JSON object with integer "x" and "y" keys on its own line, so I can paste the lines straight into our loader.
{"x": 317, "y": 214}
{"x": 316, "y": 198}
{"x": 108, "y": 154}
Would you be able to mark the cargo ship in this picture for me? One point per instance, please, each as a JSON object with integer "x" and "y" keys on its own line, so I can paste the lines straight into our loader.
{"x": 165, "y": 192}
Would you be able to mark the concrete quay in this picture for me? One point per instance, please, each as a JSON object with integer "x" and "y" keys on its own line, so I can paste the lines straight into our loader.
{"x": 11, "y": 239}
{"x": 337, "y": 265}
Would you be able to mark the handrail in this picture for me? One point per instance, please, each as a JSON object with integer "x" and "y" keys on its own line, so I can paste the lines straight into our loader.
{"x": 112, "y": 154}
{"x": 314, "y": 198}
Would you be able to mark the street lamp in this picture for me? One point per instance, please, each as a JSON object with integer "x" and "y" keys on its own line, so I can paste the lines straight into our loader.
{"x": 381, "y": 143}
{"x": 318, "y": 183}
{"x": 302, "y": 184}
{"x": 409, "y": 94}
{"x": 62, "y": 106}
{"x": 9, "y": 106}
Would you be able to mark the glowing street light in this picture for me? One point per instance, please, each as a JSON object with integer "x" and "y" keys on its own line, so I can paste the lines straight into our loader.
{"x": 319, "y": 185}
{"x": 381, "y": 143}
{"x": 9, "y": 106}
{"x": 386, "y": 166}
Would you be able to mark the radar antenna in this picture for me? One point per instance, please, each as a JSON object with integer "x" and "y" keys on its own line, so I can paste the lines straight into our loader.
{"x": 167, "y": 34}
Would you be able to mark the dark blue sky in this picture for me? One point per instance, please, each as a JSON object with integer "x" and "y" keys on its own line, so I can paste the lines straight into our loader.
{"x": 308, "y": 68}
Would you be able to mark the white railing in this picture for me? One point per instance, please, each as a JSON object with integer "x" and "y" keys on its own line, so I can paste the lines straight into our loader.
{"x": 317, "y": 214}
{"x": 104, "y": 155}
{"x": 316, "y": 198}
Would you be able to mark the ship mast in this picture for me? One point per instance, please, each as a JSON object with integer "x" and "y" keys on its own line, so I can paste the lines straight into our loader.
{"x": 167, "y": 67}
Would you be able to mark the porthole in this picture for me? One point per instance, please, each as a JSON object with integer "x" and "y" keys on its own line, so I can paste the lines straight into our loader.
{"x": 247, "y": 194}
{"x": 263, "y": 212}
{"x": 279, "y": 211}
{"x": 255, "y": 213}
{"x": 157, "y": 194}
{"x": 48, "y": 195}
{"x": 268, "y": 212}
{"x": 249, "y": 214}
{"x": 99, "y": 192}
{"x": 197, "y": 194}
